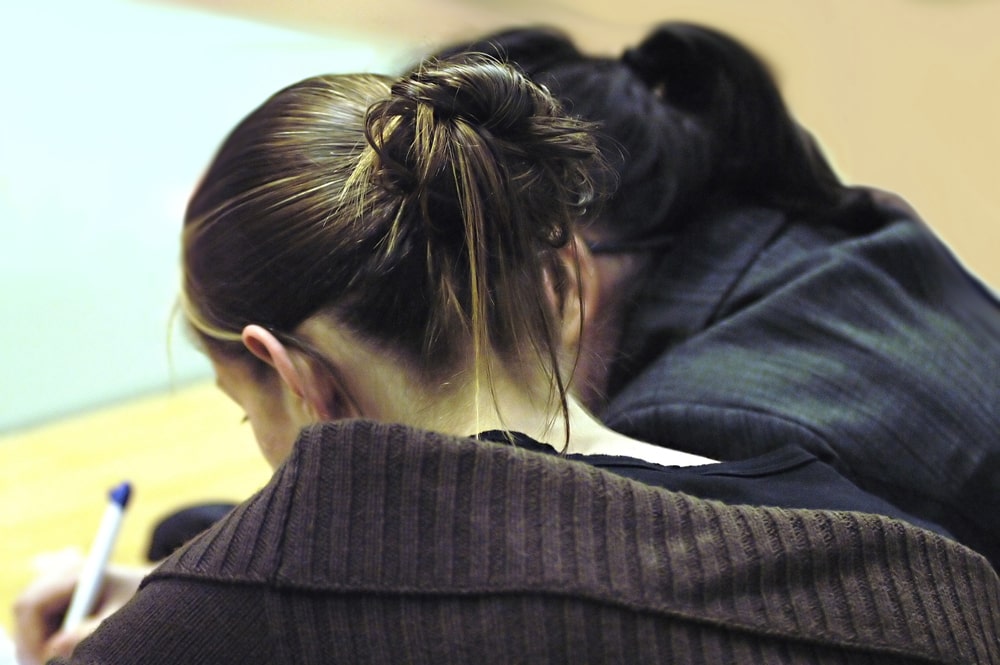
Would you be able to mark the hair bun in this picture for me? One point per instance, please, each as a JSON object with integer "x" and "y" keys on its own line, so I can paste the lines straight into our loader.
{"x": 479, "y": 90}
{"x": 678, "y": 61}
{"x": 459, "y": 132}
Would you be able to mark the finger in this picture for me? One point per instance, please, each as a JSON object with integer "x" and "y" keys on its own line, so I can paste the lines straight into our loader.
{"x": 62, "y": 643}
{"x": 39, "y": 609}
{"x": 37, "y": 615}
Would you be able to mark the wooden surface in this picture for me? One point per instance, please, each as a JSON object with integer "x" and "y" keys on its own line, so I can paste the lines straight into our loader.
{"x": 185, "y": 447}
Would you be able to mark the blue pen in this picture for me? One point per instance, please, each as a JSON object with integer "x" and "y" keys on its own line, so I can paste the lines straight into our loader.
{"x": 92, "y": 574}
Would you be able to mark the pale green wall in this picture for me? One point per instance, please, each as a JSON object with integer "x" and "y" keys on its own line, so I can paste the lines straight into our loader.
{"x": 109, "y": 111}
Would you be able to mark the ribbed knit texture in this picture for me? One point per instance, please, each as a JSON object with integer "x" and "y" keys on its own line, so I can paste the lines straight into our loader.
{"x": 383, "y": 544}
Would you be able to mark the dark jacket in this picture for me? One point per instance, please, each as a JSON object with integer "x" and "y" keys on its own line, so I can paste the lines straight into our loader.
{"x": 858, "y": 337}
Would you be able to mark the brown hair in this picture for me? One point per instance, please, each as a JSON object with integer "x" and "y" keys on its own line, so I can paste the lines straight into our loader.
{"x": 422, "y": 212}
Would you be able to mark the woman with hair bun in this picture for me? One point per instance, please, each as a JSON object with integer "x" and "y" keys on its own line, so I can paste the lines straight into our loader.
{"x": 387, "y": 278}
{"x": 755, "y": 301}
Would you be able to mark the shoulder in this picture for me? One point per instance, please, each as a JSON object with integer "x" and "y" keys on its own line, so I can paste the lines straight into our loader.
{"x": 385, "y": 527}
{"x": 816, "y": 314}
{"x": 172, "y": 621}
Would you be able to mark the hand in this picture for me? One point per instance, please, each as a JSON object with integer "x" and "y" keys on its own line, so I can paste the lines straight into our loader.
{"x": 38, "y": 612}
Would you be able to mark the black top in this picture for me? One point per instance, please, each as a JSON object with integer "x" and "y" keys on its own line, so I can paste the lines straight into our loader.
{"x": 859, "y": 339}
{"x": 788, "y": 477}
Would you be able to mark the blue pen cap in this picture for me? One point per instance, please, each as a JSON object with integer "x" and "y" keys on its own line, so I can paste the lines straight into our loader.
{"x": 121, "y": 493}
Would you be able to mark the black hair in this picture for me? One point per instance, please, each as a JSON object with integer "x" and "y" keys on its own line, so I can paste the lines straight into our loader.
{"x": 689, "y": 117}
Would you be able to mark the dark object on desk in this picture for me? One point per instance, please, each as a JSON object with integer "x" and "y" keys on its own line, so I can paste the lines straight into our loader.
{"x": 179, "y": 527}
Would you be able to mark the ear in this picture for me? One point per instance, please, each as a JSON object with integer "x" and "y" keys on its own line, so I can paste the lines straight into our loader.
{"x": 578, "y": 306}
{"x": 262, "y": 343}
{"x": 320, "y": 392}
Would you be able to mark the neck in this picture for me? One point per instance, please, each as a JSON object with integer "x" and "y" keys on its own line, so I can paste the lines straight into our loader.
{"x": 505, "y": 402}
{"x": 383, "y": 389}
{"x": 540, "y": 418}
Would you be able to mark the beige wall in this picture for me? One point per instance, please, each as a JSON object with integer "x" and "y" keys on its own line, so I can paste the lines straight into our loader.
{"x": 903, "y": 93}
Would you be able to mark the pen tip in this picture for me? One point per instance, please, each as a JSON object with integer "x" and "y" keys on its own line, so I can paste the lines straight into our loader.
{"x": 121, "y": 493}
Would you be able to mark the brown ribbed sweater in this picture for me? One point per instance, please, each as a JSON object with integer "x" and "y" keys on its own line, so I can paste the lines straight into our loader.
{"x": 383, "y": 544}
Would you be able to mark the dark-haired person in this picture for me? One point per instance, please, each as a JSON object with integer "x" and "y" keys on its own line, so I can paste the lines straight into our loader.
{"x": 386, "y": 278}
{"x": 756, "y": 301}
